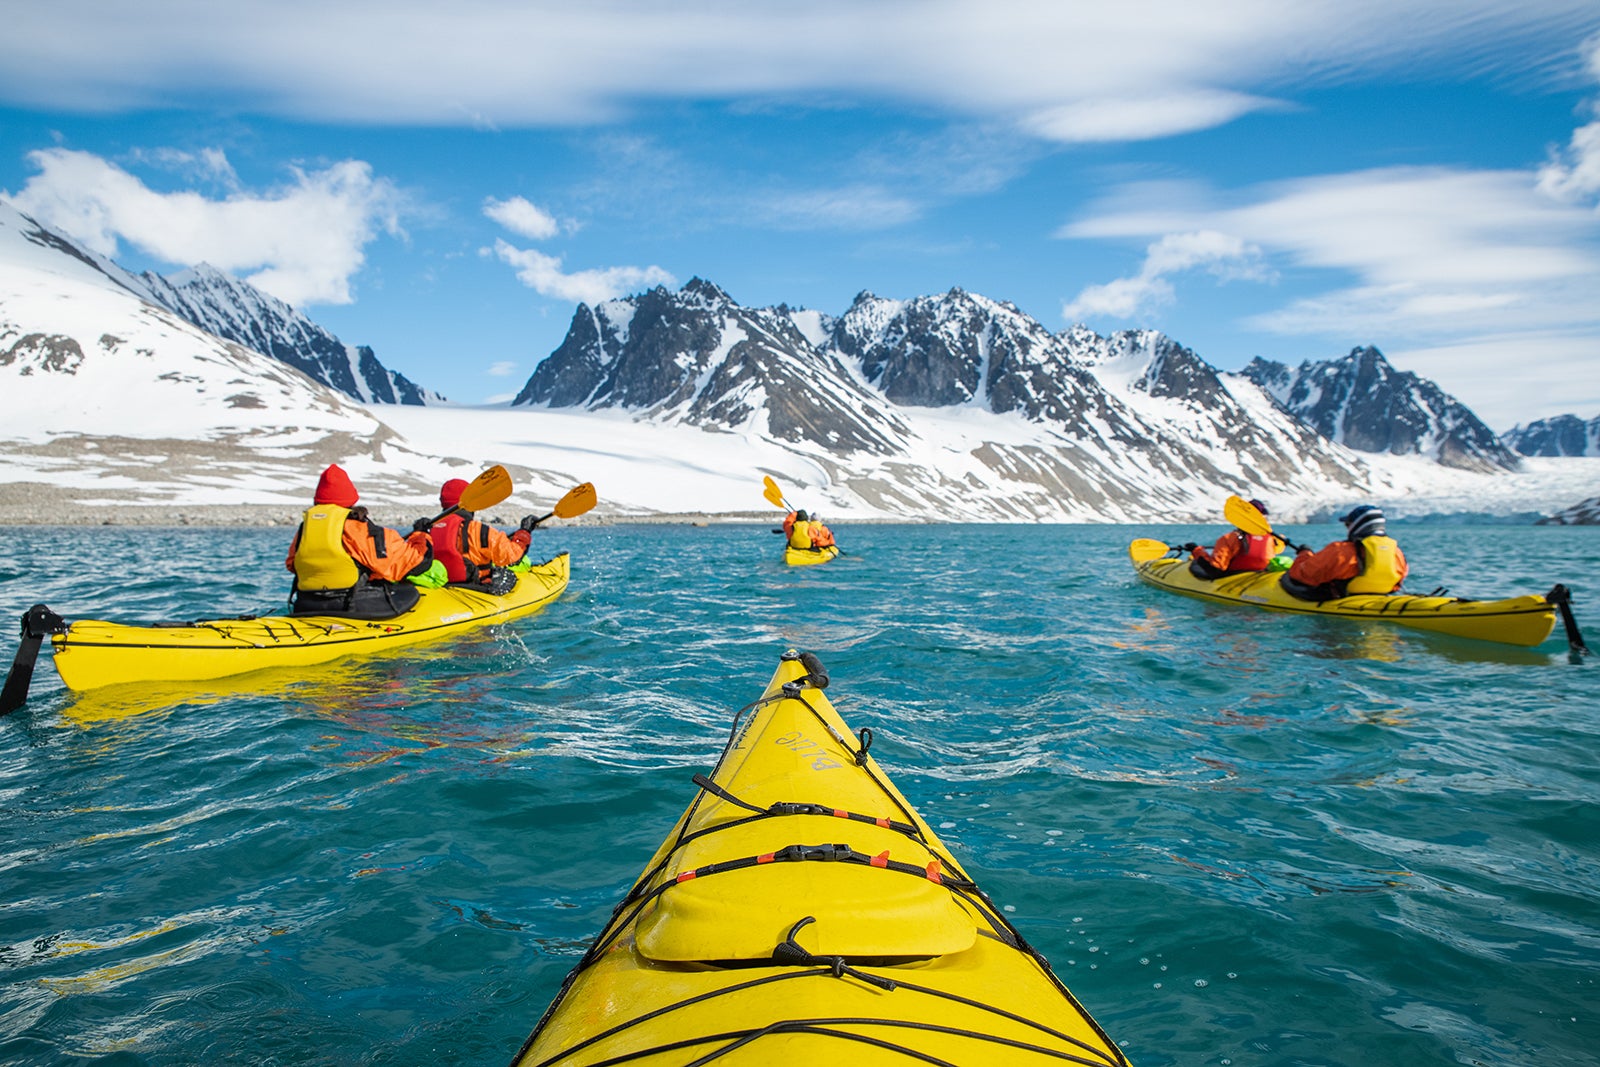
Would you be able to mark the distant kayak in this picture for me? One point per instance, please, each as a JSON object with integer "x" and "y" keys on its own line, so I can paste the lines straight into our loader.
{"x": 1523, "y": 620}
{"x": 806, "y": 557}
{"x": 745, "y": 942}
{"x": 91, "y": 653}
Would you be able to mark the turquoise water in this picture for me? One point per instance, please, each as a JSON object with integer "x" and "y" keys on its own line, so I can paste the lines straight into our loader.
{"x": 1241, "y": 838}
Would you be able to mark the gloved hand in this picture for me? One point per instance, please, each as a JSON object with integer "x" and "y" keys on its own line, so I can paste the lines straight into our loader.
{"x": 421, "y": 526}
{"x": 1190, "y": 546}
{"x": 529, "y": 523}
{"x": 359, "y": 513}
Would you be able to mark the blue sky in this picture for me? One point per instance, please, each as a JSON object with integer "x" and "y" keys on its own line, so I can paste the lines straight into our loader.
{"x": 446, "y": 182}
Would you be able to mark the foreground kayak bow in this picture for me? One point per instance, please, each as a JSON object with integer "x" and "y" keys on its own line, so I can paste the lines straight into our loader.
{"x": 746, "y": 943}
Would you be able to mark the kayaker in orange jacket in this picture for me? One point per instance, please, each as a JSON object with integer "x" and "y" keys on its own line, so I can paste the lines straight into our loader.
{"x": 1367, "y": 561}
{"x": 345, "y": 564}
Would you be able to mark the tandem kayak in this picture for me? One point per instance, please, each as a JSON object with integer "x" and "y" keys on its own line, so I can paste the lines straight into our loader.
{"x": 90, "y": 653}
{"x": 744, "y": 942}
{"x": 1523, "y": 620}
{"x": 806, "y": 557}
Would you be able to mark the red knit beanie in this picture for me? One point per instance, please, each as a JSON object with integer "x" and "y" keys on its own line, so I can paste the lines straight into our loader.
{"x": 450, "y": 492}
{"x": 335, "y": 487}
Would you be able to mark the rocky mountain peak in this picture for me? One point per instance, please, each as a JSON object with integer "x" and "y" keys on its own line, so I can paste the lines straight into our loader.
{"x": 1559, "y": 435}
{"x": 1363, "y": 402}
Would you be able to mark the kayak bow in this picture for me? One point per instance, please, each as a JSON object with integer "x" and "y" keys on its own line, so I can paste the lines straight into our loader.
{"x": 744, "y": 943}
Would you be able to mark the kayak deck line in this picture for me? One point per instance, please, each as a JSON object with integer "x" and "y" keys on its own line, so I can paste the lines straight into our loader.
{"x": 1523, "y": 620}
{"x": 923, "y": 967}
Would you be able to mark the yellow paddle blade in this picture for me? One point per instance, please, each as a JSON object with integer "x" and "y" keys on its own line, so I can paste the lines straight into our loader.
{"x": 773, "y": 494}
{"x": 578, "y": 500}
{"x": 1242, "y": 513}
{"x": 1145, "y": 549}
{"x": 486, "y": 490}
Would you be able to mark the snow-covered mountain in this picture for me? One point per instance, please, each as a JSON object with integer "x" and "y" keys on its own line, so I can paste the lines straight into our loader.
{"x": 107, "y": 389}
{"x": 1563, "y": 435}
{"x": 952, "y": 405}
{"x": 237, "y": 311}
{"x": 944, "y": 407}
{"x": 1362, "y": 402}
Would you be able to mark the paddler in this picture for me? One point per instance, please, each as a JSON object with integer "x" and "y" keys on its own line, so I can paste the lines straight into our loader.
{"x": 1366, "y": 561}
{"x": 1235, "y": 552}
{"x": 797, "y": 528}
{"x": 472, "y": 551}
{"x": 345, "y": 564}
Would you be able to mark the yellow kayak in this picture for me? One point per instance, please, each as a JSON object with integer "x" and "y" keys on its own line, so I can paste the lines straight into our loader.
{"x": 747, "y": 942}
{"x": 806, "y": 557}
{"x": 1522, "y": 620}
{"x": 90, "y": 653}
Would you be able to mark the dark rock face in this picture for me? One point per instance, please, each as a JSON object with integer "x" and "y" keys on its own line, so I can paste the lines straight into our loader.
{"x": 1362, "y": 402}
{"x": 237, "y": 311}
{"x": 697, "y": 356}
{"x": 1586, "y": 513}
{"x": 1563, "y": 435}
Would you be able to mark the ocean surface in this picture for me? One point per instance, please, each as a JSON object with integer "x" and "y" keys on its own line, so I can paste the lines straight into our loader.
{"x": 1241, "y": 838}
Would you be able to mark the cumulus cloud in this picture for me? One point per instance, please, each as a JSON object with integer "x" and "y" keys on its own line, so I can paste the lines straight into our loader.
{"x": 1572, "y": 175}
{"x": 524, "y": 218}
{"x": 544, "y": 275}
{"x": 1222, "y": 255}
{"x": 1064, "y": 71}
{"x": 301, "y": 242}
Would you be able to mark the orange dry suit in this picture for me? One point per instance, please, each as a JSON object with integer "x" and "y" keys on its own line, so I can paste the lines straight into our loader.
{"x": 821, "y": 536}
{"x": 1370, "y": 565}
{"x": 345, "y": 565}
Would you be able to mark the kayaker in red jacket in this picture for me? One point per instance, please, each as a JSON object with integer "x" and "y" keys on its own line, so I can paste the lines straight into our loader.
{"x": 345, "y": 564}
{"x": 470, "y": 549}
{"x": 1235, "y": 552}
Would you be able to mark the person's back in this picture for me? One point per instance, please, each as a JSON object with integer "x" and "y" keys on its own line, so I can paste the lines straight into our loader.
{"x": 1367, "y": 561}
{"x": 344, "y": 564}
{"x": 471, "y": 550}
{"x": 800, "y": 532}
{"x": 1236, "y": 551}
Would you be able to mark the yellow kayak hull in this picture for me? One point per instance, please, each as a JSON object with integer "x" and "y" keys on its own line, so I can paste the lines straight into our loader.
{"x": 809, "y": 557}
{"x": 91, "y": 653}
{"x": 747, "y": 942}
{"x": 1523, "y": 620}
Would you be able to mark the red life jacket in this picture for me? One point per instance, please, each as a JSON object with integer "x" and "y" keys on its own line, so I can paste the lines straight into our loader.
{"x": 450, "y": 548}
{"x": 1255, "y": 553}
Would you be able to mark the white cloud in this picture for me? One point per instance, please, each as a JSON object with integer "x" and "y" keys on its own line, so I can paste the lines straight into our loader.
{"x": 856, "y": 207}
{"x": 501, "y": 369}
{"x": 522, "y": 217}
{"x": 1222, "y": 255}
{"x": 1472, "y": 272}
{"x": 302, "y": 242}
{"x": 544, "y": 275}
{"x": 1573, "y": 175}
{"x": 1136, "y": 118}
{"x": 1068, "y": 71}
